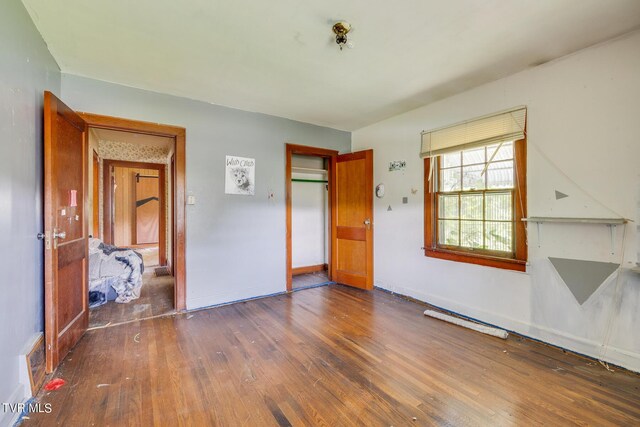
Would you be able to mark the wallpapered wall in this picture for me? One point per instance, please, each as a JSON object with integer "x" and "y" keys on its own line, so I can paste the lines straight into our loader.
{"x": 133, "y": 152}
{"x": 118, "y": 150}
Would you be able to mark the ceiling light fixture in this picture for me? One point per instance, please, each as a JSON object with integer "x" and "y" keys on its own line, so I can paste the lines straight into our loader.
{"x": 341, "y": 28}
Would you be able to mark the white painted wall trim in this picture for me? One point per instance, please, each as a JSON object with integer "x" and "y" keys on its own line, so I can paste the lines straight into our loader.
{"x": 210, "y": 301}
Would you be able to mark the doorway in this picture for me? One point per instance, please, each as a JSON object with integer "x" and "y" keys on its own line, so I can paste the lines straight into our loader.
{"x": 136, "y": 208}
{"x": 177, "y": 190}
{"x": 349, "y": 218}
{"x": 310, "y": 196}
{"x": 130, "y": 275}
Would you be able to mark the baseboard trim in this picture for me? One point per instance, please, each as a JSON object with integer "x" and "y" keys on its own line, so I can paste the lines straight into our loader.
{"x": 222, "y": 304}
{"x": 308, "y": 269}
{"x": 275, "y": 294}
{"x": 618, "y": 358}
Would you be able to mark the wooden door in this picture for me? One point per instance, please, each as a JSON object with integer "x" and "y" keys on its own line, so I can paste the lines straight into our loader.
{"x": 352, "y": 248}
{"x": 147, "y": 207}
{"x": 66, "y": 229}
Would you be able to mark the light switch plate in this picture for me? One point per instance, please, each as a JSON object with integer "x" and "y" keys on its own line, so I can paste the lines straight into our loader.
{"x": 191, "y": 200}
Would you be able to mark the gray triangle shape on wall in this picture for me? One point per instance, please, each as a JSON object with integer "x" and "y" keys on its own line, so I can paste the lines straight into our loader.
{"x": 582, "y": 277}
{"x": 560, "y": 195}
{"x": 389, "y": 208}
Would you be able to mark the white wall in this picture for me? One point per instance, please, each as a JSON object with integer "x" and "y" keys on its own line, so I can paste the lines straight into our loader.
{"x": 309, "y": 202}
{"x": 308, "y": 230}
{"x": 26, "y": 70}
{"x": 583, "y": 140}
{"x": 236, "y": 245}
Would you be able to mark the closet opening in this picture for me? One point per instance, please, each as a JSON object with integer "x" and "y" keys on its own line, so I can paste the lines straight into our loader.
{"x": 310, "y": 197}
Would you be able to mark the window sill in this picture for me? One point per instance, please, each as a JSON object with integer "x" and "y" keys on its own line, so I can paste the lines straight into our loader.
{"x": 479, "y": 259}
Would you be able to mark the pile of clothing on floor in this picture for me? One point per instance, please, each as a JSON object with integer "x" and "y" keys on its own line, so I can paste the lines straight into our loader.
{"x": 114, "y": 273}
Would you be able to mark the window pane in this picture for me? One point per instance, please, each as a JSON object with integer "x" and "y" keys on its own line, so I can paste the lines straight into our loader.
{"x": 500, "y": 175}
{"x": 448, "y": 206}
{"x": 505, "y": 152}
{"x": 498, "y": 207}
{"x": 471, "y": 206}
{"x": 472, "y": 178}
{"x": 471, "y": 234}
{"x": 448, "y": 232}
{"x": 499, "y": 236}
{"x": 451, "y": 160}
{"x": 476, "y": 155}
{"x": 450, "y": 180}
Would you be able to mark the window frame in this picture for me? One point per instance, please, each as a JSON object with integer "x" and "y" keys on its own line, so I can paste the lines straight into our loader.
{"x": 512, "y": 261}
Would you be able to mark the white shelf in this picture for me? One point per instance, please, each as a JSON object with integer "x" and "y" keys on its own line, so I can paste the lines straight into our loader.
{"x": 607, "y": 221}
{"x": 295, "y": 169}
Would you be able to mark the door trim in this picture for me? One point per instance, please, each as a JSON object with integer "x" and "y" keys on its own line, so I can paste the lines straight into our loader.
{"x": 331, "y": 155}
{"x": 108, "y": 202}
{"x": 179, "y": 187}
{"x": 95, "y": 208}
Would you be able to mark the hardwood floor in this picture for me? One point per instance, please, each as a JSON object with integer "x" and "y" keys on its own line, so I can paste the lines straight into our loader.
{"x": 156, "y": 298}
{"x": 328, "y": 356}
{"x": 309, "y": 279}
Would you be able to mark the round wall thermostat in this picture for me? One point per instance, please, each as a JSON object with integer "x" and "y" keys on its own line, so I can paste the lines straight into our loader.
{"x": 380, "y": 191}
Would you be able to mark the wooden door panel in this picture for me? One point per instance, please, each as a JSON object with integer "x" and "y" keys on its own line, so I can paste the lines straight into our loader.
{"x": 70, "y": 278}
{"x": 352, "y": 200}
{"x": 352, "y": 244}
{"x": 354, "y": 256}
{"x": 147, "y": 209}
{"x": 352, "y": 233}
{"x": 68, "y": 159}
{"x": 65, "y": 256}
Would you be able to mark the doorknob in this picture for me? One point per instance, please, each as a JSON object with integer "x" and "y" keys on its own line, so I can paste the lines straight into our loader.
{"x": 59, "y": 235}
{"x": 367, "y": 223}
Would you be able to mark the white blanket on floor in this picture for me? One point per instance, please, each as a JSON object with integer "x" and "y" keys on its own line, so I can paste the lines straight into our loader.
{"x": 106, "y": 262}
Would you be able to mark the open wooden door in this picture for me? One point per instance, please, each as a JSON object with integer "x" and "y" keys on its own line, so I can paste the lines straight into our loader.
{"x": 352, "y": 222}
{"x": 147, "y": 208}
{"x": 66, "y": 301}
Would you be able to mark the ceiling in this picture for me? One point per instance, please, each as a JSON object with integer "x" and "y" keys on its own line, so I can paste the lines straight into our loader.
{"x": 279, "y": 57}
{"x": 161, "y": 143}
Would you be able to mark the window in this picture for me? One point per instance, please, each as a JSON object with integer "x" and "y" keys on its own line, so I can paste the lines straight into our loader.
{"x": 474, "y": 204}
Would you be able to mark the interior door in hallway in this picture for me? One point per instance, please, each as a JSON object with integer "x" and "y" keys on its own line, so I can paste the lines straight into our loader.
{"x": 352, "y": 248}
{"x": 147, "y": 207}
{"x": 66, "y": 229}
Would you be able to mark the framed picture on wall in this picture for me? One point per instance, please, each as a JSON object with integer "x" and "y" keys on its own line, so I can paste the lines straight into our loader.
{"x": 240, "y": 175}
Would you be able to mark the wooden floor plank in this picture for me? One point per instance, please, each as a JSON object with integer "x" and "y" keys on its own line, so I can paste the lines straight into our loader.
{"x": 328, "y": 356}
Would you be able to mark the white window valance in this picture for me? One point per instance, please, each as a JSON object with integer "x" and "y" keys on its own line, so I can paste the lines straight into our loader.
{"x": 495, "y": 128}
